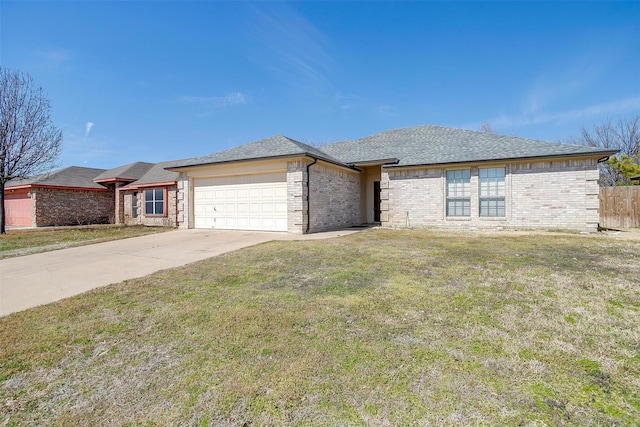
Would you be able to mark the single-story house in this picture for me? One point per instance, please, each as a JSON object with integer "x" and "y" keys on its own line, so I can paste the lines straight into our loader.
{"x": 150, "y": 200}
{"x": 67, "y": 196}
{"x": 137, "y": 193}
{"x": 412, "y": 177}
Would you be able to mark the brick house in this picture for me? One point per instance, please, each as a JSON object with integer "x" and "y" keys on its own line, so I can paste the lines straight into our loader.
{"x": 137, "y": 193}
{"x": 412, "y": 177}
{"x": 150, "y": 200}
{"x": 67, "y": 196}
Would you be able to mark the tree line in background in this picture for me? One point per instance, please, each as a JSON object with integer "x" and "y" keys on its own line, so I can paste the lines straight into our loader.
{"x": 622, "y": 135}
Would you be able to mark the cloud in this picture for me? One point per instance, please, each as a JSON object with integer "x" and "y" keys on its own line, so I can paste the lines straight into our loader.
{"x": 88, "y": 128}
{"x": 617, "y": 107}
{"x": 230, "y": 99}
{"x": 293, "y": 48}
{"x": 57, "y": 56}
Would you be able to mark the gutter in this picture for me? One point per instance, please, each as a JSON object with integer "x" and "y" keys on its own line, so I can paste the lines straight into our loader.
{"x": 315, "y": 160}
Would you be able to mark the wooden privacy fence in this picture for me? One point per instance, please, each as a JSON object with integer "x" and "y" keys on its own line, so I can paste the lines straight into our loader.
{"x": 620, "y": 207}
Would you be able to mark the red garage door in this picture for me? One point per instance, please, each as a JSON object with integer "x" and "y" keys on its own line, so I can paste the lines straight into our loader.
{"x": 17, "y": 208}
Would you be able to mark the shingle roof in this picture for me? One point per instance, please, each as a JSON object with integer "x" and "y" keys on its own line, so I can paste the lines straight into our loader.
{"x": 130, "y": 172}
{"x": 425, "y": 145}
{"x": 72, "y": 176}
{"x": 637, "y": 177}
{"x": 275, "y": 146}
{"x": 156, "y": 174}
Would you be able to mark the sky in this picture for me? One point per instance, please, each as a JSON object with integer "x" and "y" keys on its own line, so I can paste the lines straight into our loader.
{"x": 166, "y": 80}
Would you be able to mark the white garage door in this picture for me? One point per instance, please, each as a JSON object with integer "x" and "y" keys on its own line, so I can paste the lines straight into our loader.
{"x": 248, "y": 202}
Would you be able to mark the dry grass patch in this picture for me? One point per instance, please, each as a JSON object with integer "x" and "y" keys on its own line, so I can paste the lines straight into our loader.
{"x": 29, "y": 241}
{"x": 377, "y": 328}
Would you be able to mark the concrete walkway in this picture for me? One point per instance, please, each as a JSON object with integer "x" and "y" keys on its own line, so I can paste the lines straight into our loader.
{"x": 33, "y": 280}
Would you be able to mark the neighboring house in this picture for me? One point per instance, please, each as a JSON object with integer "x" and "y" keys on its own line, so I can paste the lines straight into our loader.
{"x": 137, "y": 193}
{"x": 66, "y": 196}
{"x": 150, "y": 200}
{"x": 635, "y": 178}
{"x": 413, "y": 177}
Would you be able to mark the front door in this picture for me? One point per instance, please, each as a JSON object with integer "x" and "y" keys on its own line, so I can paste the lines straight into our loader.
{"x": 376, "y": 201}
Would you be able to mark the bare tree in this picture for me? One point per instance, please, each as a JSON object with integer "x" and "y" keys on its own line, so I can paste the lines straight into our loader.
{"x": 623, "y": 135}
{"x": 486, "y": 128}
{"x": 29, "y": 142}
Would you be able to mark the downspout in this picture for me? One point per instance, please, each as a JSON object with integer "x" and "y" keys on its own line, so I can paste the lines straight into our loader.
{"x": 315, "y": 160}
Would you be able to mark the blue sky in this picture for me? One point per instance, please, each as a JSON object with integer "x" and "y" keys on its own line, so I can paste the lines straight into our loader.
{"x": 165, "y": 80}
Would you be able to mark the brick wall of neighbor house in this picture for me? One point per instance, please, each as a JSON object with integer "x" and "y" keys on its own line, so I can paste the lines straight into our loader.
{"x": 296, "y": 197}
{"x": 72, "y": 207}
{"x": 544, "y": 194}
{"x": 170, "y": 220}
{"x": 334, "y": 199}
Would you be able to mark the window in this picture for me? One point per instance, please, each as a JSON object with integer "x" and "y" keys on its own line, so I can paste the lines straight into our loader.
{"x": 154, "y": 201}
{"x": 492, "y": 190}
{"x": 134, "y": 205}
{"x": 459, "y": 192}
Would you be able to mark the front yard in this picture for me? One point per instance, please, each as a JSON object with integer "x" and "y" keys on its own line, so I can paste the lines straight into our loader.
{"x": 376, "y": 328}
{"x": 34, "y": 240}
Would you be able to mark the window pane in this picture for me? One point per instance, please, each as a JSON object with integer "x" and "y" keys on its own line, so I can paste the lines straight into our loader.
{"x": 492, "y": 207}
{"x": 148, "y": 207}
{"x": 458, "y": 192}
{"x": 159, "y": 208}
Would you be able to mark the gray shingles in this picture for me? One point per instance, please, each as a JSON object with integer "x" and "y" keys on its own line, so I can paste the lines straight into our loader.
{"x": 424, "y": 145}
{"x": 156, "y": 175}
{"x": 129, "y": 172}
{"x": 72, "y": 176}
{"x": 275, "y": 146}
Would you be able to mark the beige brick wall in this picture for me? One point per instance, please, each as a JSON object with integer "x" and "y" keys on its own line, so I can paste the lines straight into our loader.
{"x": 334, "y": 197}
{"x": 170, "y": 220}
{"x": 297, "y": 197}
{"x": 543, "y": 194}
{"x": 72, "y": 207}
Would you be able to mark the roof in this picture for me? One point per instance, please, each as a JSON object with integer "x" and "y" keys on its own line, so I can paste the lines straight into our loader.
{"x": 130, "y": 172}
{"x": 634, "y": 178}
{"x": 157, "y": 174}
{"x": 428, "y": 145}
{"x": 272, "y": 147}
{"x": 72, "y": 177}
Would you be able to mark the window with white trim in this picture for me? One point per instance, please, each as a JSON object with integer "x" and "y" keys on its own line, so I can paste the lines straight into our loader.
{"x": 154, "y": 201}
{"x": 491, "y": 192}
{"x": 459, "y": 193}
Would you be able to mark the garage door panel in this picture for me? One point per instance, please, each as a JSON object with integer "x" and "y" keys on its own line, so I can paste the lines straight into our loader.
{"x": 254, "y": 202}
{"x": 17, "y": 209}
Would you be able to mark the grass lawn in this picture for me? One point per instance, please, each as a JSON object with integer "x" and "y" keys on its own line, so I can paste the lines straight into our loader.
{"x": 376, "y": 328}
{"x": 33, "y": 240}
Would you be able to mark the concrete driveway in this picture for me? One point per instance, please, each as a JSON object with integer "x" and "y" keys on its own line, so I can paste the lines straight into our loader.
{"x": 33, "y": 280}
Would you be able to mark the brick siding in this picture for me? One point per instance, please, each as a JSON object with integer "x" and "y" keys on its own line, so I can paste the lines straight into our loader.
{"x": 72, "y": 207}
{"x": 170, "y": 220}
{"x": 544, "y": 194}
{"x": 334, "y": 199}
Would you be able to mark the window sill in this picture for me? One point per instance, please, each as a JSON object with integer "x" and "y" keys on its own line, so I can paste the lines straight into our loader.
{"x": 458, "y": 218}
{"x": 492, "y": 218}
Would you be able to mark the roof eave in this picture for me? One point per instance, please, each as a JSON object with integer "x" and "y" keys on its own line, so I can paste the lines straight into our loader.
{"x": 598, "y": 154}
{"x": 57, "y": 187}
{"x": 148, "y": 185}
{"x": 257, "y": 159}
{"x": 389, "y": 161}
{"x": 111, "y": 180}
